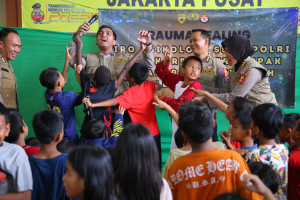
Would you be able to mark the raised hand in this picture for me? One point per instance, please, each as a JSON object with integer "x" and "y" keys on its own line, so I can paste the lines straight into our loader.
{"x": 159, "y": 103}
{"x": 83, "y": 29}
{"x": 68, "y": 56}
{"x": 120, "y": 110}
{"x": 145, "y": 37}
{"x": 168, "y": 55}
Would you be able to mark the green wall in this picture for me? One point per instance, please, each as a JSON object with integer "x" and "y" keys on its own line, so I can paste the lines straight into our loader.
{"x": 43, "y": 49}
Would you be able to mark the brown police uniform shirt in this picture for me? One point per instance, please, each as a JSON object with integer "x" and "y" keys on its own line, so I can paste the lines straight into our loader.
{"x": 9, "y": 90}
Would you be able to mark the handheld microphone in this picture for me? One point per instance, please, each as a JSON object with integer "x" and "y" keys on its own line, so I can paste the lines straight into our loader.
{"x": 92, "y": 20}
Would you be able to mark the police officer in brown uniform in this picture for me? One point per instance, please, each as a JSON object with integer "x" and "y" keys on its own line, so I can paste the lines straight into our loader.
{"x": 106, "y": 39}
{"x": 10, "y": 46}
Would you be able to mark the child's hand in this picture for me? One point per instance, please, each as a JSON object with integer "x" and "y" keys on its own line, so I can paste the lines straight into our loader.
{"x": 242, "y": 152}
{"x": 252, "y": 182}
{"x": 198, "y": 99}
{"x": 144, "y": 39}
{"x": 68, "y": 56}
{"x": 87, "y": 101}
{"x": 198, "y": 93}
{"x": 226, "y": 138}
{"x": 159, "y": 103}
{"x": 120, "y": 110}
{"x": 167, "y": 58}
{"x": 78, "y": 68}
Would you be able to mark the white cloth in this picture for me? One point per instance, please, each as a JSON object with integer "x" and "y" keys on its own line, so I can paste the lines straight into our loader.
{"x": 165, "y": 193}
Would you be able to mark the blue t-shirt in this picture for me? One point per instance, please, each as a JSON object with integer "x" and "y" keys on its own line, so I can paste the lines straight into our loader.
{"x": 64, "y": 102}
{"x": 47, "y": 177}
{"x": 104, "y": 93}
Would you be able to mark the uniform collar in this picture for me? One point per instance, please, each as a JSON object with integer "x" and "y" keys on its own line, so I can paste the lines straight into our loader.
{"x": 111, "y": 53}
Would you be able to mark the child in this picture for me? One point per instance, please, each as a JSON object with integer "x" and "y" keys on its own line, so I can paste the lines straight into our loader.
{"x": 294, "y": 166}
{"x": 206, "y": 172}
{"x": 102, "y": 89}
{"x": 137, "y": 100}
{"x": 285, "y": 135}
{"x": 136, "y": 165}
{"x": 48, "y": 165}
{"x": 13, "y": 161}
{"x": 266, "y": 123}
{"x": 65, "y": 146}
{"x": 89, "y": 174}
{"x": 18, "y": 132}
{"x": 98, "y": 134}
{"x": 180, "y": 85}
{"x": 63, "y": 102}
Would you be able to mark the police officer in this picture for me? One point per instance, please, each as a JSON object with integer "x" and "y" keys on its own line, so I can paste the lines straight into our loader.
{"x": 106, "y": 40}
{"x": 10, "y": 46}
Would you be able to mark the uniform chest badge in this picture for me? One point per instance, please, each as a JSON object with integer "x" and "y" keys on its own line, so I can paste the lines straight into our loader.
{"x": 210, "y": 67}
{"x": 120, "y": 56}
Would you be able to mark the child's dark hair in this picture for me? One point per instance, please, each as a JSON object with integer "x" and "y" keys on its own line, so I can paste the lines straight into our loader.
{"x": 4, "y": 113}
{"x": 131, "y": 168}
{"x": 4, "y": 33}
{"x": 33, "y": 141}
{"x": 266, "y": 174}
{"x": 290, "y": 120}
{"x": 191, "y": 58}
{"x": 179, "y": 140}
{"x": 268, "y": 118}
{"x": 195, "y": 121}
{"x": 94, "y": 165}
{"x": 244, "y": 118}
{"x": 49, "y": 77}
{"x": 65, "y": 146}
{"x": 240, "y": 104}
{"x": 47, "y": 124}
{"x": 229, "y": 196}
{"x": 102, "y": 76}
{"x": 95, "y": 129}
{"x": 16, "y": 123}
{"x": 139, "y": 72}
{"x": 204, "y": 34}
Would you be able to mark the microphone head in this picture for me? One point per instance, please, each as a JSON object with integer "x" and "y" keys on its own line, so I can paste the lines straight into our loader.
{"x": 93, "y": 19}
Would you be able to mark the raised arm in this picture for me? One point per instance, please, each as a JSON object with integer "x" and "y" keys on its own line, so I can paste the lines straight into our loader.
{"x": 220, "y": 104}
{"x": 133, "y": 60}
{"x": 163, "y": 105}
{"x": 107, "y": 103}
{"x": 69, "y": 57}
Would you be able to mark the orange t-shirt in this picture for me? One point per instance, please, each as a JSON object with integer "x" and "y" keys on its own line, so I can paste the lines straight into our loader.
{"x": 208, "y": 174}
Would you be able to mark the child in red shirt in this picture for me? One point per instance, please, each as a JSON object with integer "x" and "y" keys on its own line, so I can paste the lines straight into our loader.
{"x": 180, "y": 85}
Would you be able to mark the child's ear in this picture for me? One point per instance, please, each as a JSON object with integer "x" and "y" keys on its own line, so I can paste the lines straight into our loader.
{"x": 288, "y": 132}
{"x": 59, "y": 137}
{"x": 248, "y": 132}
{"x": 8, "y": 129}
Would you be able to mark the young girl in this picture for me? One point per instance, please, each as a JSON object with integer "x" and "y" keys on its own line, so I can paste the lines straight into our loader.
{"x": 89, "y": 174}
{"x": 136, "y": 162}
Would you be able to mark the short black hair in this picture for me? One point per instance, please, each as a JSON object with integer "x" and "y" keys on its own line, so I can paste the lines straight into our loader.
{"x": 266, "y": 174}
{"x": 179, "y": 140}
{"x": 106, "y": 26}
{"x": 4, "y": 113}
{"x": 4, "y": 33}
{"x": 291, "y": 119}
{"x": 16, "y": 123}
{"x": 49, "y": 77}
{"x": 240, "y": 104}
{"x": 33, "y": 141}
{"x": 139, "y": 72}
{"x": 244, "y": 118}
{"x": 47, "y": 124}
{"x": 268, "y": 118}
{"x": 195, "y": 121}
{"x": 102, "y": 76}
{"x": 229, "y": 196}
{"x": 65, "y": 146}
{"x": 95, "y": 129}
{"x": 204, "y": 34}
{"x": 191, "y": 58}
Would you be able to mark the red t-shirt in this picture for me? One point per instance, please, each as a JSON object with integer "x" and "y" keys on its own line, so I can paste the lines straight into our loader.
{"x": 138, "y": 100}
{"x": 294, "y": 175}
{"x": 31, "y": 150}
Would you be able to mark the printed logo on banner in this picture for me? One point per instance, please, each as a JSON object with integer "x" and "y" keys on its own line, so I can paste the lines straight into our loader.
{"x": 193, "y": 16}
{"x": 181, "y": 17}
{"x": 37, "y": 14}
{"x": 204, "y": 18}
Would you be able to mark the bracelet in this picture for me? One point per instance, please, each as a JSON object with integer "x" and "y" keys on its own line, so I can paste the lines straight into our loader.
{"x": 150, "y": 43}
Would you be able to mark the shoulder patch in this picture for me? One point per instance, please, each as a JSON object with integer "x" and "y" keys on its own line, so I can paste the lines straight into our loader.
{"x": 3, "y": 60}
{"x": 242, "y": 79}
{"x": 225, "y": 71}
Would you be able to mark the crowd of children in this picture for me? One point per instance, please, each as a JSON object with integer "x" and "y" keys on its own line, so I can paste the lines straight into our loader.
{"x": 117, "y": 162}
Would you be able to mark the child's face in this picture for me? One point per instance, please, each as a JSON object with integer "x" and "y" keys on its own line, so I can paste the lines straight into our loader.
{"x": 192, "y": 70}
{"x": 283, "y": 134}
{"x": 62, "y": 80}
{"x": 229, "y": 114}
{"x": 237, "y": 131}
{"x": 296, "y": 132}
{"x": 74, "y": 184}
{"x": 4, "y": 129}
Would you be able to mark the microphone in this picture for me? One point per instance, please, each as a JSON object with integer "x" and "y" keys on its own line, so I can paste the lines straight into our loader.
{"x": 92, "y": 20}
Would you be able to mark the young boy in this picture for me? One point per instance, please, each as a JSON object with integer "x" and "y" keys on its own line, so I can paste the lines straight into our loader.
{"x": 137, "y": 100}
{"x": 266, "y": 123}
{"x": 180, "y": 85}
{"x": 19, "y": 131}
{"x": 207, "y": 171}
{"x": 13, "y": 161}
{"x": 48, "y": 165}
{"x": 294, "y": 166}
{"x": 285, "y": 135}
{"x": 63, "y": 102}
{"x": 98, "y": 134}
